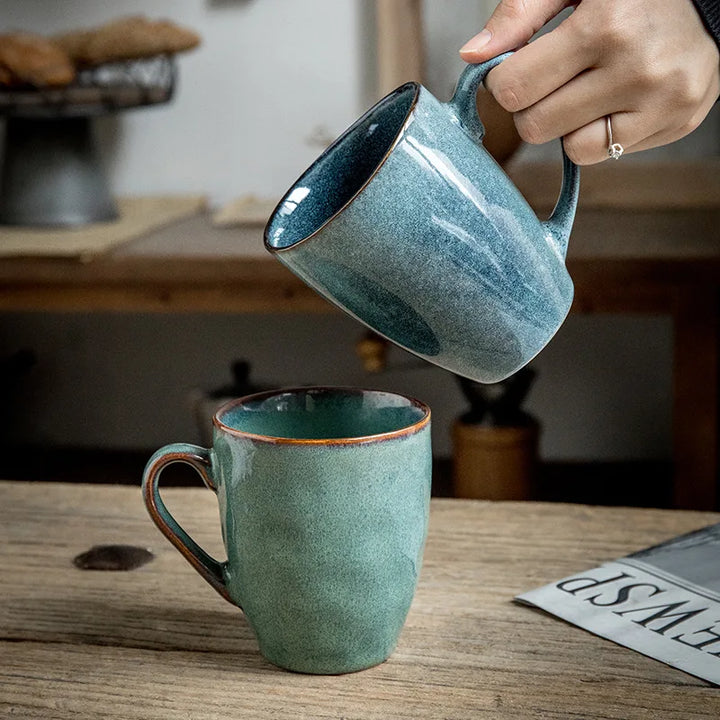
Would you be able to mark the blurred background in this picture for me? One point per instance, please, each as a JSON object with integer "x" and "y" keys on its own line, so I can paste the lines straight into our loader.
{"x": 88, "y": 395}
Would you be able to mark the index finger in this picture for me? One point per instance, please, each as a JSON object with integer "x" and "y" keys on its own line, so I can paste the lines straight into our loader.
{"x": 511, "y": 25}
{"x": 539, "y": 69}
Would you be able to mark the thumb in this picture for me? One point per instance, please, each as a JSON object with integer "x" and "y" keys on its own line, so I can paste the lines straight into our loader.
{"x": 511, "y": 25}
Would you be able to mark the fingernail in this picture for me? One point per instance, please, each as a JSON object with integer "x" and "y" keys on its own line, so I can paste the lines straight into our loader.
{"x": 477, "y": 43}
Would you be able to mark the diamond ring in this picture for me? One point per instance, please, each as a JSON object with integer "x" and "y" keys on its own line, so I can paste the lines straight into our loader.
{"x": 615, "y": 150}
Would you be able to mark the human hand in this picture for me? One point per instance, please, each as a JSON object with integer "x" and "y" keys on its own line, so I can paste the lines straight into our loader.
{"x": 649, "y": 64}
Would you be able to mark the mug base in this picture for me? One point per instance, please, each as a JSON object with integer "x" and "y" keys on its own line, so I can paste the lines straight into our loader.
{"x": 313, "y": 666}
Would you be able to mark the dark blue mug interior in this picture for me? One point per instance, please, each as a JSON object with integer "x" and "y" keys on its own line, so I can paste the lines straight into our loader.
{"x": 341, "y": 171}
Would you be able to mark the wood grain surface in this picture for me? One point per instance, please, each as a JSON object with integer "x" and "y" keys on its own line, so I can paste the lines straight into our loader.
{"x": 157, "y": 642}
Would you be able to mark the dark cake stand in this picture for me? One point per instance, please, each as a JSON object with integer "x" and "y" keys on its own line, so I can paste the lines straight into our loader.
{"x": 51, "y": 173}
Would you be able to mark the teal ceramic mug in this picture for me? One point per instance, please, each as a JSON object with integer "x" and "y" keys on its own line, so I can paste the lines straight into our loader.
{"x": 408, "y": 224}
{"x": 324, "y": 497}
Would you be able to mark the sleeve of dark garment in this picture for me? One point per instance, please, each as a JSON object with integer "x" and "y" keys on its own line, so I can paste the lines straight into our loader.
{"x": 710, "y": 13}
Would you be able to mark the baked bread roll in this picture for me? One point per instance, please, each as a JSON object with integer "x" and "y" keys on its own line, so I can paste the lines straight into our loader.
{"x": 29, "y": 59}
{"x": 128, "y": 38}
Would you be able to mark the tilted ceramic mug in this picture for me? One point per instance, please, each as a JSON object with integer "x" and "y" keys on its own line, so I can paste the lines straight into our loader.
{"x": 408, "y": 224}
{"x": 324, "y": 498}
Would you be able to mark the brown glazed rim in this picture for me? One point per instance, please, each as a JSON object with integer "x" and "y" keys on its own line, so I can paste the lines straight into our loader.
{"x": 327, "y": 151}
{"x": 357, "y": 440}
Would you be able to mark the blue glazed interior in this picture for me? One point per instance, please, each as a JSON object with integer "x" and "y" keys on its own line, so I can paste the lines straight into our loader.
{"x": 322, "y": 414}
{"x": 341, "y": 171}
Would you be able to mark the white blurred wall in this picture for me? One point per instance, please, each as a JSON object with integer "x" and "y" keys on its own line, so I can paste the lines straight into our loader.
{"x": 269, "y": 76}
{"x": 271, "y": 81}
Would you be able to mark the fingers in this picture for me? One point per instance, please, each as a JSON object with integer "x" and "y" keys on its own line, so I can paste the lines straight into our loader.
{"x": 573, "y": 105}
{"x": 643, "y": 128}
{"x": 511, "y": 25}
{"x": 589, "y": 144}
{"x": 523, "y": 79}
{"x": 601, "y": 61}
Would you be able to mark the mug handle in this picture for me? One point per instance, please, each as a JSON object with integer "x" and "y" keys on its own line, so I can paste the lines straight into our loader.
{"x": 198, "y": 458}
{"x": 463, "y": 109}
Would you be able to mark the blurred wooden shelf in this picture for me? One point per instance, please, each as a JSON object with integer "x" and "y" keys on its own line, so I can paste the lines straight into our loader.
{"x": 637, "y": 483}
{"x": 632, "y": 185}
{"x": 646, "y": 240}
{"x": 629, "y": 255}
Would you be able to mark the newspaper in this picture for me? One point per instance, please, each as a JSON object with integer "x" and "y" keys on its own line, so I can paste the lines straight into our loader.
{"x": 663, "y": 602}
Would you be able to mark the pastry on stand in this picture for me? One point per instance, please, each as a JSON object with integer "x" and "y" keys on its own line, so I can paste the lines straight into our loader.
{"x": 51, "y": 89}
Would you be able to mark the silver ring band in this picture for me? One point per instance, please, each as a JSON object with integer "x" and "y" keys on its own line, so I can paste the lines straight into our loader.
{"x": 614, "y": 150}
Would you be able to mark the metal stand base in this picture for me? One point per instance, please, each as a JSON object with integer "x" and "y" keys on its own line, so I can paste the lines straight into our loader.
{"x": 51, "y": 174}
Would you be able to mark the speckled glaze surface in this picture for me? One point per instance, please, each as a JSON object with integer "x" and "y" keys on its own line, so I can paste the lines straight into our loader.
{"x": 324, "y": 498}
{"x": 409, "y": 225}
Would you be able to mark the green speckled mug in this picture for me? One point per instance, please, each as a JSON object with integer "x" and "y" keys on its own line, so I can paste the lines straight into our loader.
{"x": 324, "y": 499}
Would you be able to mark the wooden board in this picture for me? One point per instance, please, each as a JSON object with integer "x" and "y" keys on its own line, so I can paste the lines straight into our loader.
{"x": 157, "y": 642}
{"x": 138, "y": 216}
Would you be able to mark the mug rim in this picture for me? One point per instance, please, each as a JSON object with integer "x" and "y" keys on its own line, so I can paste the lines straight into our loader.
{"x": 407, "y": 430}
{"x": 271, "y": 248}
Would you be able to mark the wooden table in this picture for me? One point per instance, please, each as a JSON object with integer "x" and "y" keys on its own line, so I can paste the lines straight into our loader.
{"x": 157, "y": 642}
{"x": 646, "y": 240}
